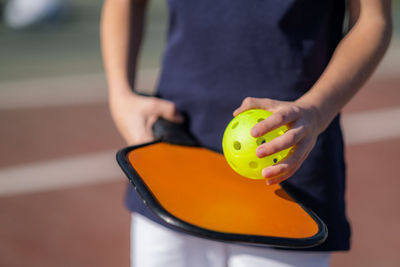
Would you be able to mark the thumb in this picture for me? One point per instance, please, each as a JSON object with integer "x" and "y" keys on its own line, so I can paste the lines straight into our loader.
{"x": 253, "y": 102}
{"x": 168, "y": 111}
{"x": 249, "y": 103}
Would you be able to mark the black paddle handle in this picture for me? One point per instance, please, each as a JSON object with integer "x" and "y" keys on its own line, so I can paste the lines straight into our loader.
{"x": 173, "y": 133}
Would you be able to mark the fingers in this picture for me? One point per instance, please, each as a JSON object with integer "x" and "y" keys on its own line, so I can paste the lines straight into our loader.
{"x": 288, "y": 139}
{"x": 282, "y": 114}
{"x": 277, "y": 119}
{"x": 139, "y": 127}
{"x": 301, "y": 135}
{"x": 252, "y": 102}
{"x": 286, "y": 168}
{"x": 138, "y": 136}
{"x": 136, "y": 131}
{"x": 167, "y": 110}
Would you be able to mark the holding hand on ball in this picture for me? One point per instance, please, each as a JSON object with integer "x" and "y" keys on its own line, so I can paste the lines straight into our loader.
{"x": 240, "y": 146}
{"x": 303, "y": 122}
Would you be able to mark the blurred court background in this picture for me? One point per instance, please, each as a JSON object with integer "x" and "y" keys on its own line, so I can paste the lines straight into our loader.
{"x": 60, "y": 188}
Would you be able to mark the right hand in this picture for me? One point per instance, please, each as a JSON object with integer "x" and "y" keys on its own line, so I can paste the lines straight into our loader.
{"x": 134, "y": 115}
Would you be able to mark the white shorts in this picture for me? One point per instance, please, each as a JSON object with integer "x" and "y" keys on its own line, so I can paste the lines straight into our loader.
{"x": 153, "y": 245}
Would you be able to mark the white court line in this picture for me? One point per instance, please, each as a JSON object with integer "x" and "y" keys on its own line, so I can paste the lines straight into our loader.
{"x": 65, "y": 90}
{"x": 59, "y": 173}
{"x": 359, "y": 128}
{"x": 92, "y": 88}
{"x": 370, "y": 126}
{"x": 54, "y": 91}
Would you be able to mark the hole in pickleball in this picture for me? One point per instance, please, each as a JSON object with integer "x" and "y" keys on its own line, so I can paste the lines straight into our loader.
{"x": 260, "y": 120}
{"x": 237, "y": 145}
{"x": 275, "y": 160}
{"x": 260, "y": 141}
{"x": 235, "y": 125}
{"x": 253, "y": 164}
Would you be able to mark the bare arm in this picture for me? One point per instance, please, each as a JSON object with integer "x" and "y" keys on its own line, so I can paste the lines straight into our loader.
{"x": 353, "y": 62}
{"x": 119, "y": 19}
{"x": 122, "y": 27}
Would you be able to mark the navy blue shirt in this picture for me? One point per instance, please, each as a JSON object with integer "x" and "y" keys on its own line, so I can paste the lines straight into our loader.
{"x": 219, "y": 52}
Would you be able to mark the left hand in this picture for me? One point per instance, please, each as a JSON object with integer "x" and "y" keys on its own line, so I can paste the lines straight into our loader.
{"x": 302, "y": 121}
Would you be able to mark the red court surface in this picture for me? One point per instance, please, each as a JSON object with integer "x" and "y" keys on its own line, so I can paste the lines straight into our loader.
{"x": 87, "y": 225}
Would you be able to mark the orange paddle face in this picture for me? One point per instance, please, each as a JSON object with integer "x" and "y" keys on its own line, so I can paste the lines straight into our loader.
{"x": 197, "y": 186}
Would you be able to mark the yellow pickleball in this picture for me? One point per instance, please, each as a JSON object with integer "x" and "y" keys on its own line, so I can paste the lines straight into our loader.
{"x": 240, "y": 146}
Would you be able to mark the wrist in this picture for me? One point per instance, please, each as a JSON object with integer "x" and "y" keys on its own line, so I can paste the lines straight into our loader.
{"x": 120, "y": 90}
{"x": 318, "y": 116}
{"x": 120, "y": 97}
{"x": 117, "y": 81}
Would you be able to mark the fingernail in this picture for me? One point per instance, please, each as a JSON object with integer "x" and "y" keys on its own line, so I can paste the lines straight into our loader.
{"x": 270, "y": 181}
{"x": 266, "y": 173}
{"x": 259, "y": 152}
{"x": 254, "y": 132}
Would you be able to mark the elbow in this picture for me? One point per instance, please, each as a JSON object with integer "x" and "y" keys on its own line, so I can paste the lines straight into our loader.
{"x": 386, "y": 30}
{"x": 389, "y": 30}
{"x": 379, "y": 26}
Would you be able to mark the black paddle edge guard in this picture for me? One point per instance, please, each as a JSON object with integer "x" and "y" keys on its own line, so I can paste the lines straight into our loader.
{"x": 265, "y": 241}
